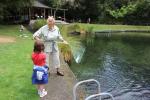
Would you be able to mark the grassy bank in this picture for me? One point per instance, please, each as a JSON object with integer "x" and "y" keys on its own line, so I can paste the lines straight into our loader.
{"x": 114, "y": 27}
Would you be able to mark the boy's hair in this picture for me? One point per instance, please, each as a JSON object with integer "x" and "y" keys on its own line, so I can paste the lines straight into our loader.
{"x": 38, "y": 46}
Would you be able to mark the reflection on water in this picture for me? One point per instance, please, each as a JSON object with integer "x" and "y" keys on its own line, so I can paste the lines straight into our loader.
{"x": 121, "y": 63}
{"x": 77, "y": 52}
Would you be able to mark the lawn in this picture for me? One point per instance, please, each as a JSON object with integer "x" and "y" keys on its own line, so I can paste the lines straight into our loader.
{"x": 16, "y": 66}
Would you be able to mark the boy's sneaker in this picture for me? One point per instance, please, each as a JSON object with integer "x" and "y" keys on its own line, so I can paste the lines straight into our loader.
{"x": 40, "y": 91}
{"x": 43, "y": 93}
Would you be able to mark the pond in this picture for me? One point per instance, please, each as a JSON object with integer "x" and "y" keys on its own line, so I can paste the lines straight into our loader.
{"x": 120, "y": 62}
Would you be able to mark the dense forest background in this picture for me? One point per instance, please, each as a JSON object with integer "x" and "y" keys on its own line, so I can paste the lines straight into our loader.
{"x": 99, "y": 11}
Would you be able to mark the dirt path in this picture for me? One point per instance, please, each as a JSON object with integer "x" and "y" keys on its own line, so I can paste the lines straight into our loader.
{"x": 6, "y": 39}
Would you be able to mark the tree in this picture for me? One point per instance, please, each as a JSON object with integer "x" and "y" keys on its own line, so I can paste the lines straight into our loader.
{"x": 133, "y": 11}
{"x": 85, "y": 9}
{"x": 11, "y": 7}
{"x": 57, "y": 4}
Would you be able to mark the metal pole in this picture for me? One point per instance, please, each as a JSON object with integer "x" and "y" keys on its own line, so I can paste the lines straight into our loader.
{"x": 81, "y": 82}
{"x": 100, "y": 94}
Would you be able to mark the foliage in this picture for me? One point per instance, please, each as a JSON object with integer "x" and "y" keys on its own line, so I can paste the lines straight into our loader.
{"x": 84, "y": 9}
{"x": 124, "y": 10}
{"x": 103, "y": 11}
{"x": 14, "y": 5}
{"x": 10, "y": 8}
{"x": 57, "y": 4}
{"x": 38, "y": 23}
{"x": 66, "y": 52}
{"x": 74, "y": 43}
{"x": 142, "y": 13}
{"x": 129, "y": 11}
{"x": 110, "y": 11}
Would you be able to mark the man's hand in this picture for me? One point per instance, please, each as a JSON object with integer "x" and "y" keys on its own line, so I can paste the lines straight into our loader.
{"x": 65, "y": 42}
{"x": 37, "y": 39}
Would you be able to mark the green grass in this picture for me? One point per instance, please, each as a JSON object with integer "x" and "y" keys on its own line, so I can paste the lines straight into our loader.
{"x": 16, "y": 67}
{"x": 97, "y": 27}
{"x": 11, "y": 30}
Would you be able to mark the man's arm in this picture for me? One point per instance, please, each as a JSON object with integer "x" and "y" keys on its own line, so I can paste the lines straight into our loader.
{"x": 61, "y": 38}
{"x": 37, "y": 34}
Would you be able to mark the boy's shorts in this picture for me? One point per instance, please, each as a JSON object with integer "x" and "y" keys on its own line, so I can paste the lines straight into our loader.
{"x": 40, "y": 75}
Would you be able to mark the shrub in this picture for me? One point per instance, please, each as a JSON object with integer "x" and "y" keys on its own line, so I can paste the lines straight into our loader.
{"x": 38, "y": 23}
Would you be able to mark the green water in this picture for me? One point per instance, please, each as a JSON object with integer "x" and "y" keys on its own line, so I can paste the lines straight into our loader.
{"x": 121, "y": 63}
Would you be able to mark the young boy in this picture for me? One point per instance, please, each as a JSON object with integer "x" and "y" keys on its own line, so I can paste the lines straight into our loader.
{"x": 40, "y": 71}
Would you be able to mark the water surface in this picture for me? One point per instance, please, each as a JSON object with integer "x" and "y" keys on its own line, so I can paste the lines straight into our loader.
{"x": 121, "y": 63}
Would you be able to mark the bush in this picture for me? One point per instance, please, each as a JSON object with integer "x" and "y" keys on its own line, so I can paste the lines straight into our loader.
{"x": 38, "y": 23}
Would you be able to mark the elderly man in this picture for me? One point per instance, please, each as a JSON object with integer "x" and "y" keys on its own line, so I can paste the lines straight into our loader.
{"x": 50, "y": 34}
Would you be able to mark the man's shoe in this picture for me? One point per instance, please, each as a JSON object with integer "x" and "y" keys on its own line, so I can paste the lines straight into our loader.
{"x": 59, "y": 73}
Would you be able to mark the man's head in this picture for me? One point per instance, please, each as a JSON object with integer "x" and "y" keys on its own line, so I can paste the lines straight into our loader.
{"x": 50, "y": 21}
